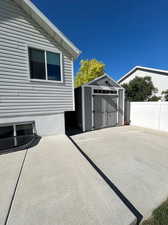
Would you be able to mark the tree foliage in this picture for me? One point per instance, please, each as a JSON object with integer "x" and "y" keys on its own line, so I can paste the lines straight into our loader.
{"x": 165, "y": 94}
{"x": 89, "y": 70}
{"x": 140, "y": 89}
{"x": 154, "y": 98}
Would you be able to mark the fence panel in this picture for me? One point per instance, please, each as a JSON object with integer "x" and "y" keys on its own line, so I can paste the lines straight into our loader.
{"x": 150, "y": 115}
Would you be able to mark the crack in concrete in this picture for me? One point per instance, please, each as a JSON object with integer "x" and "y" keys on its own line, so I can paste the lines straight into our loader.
{"x": 15, "y": 189}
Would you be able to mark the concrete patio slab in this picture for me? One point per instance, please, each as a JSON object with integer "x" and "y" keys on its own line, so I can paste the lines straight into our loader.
{"x": 135, "y": 159}
{"x": 59, "y": 187}
{"x": 10, "y": 165}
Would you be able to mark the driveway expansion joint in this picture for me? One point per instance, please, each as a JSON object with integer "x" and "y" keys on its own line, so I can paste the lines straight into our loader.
{"x": 15, "y": 189}
{"x": 129, "y": 205}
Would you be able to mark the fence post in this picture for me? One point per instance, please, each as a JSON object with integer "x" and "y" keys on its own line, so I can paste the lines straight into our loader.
{"x": 127, "y": 113}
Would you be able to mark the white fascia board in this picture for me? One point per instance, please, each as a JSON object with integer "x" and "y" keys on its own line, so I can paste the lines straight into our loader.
{"x": 104, "y": 75}
{"x": 49, "y": 27}
{"x": 113, "y": 80}
{"x": 127, "y": 74}
{"x": 141, "y": 68}
{"x": 96, "y": 79}
{"x": 152, "y": 69}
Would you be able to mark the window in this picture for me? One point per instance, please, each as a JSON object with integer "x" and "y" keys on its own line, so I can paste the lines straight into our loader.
{"x": 100, "y": 91}
{"x": 6, "y": 132}
{"x": 44, "y": 65}
{"x": 24, "y": 129}
{"x": 24, "y": 133}
{"x": 37, "y": 64}
{"x": 53, "y": 66}
{"x": 15, "y": 135}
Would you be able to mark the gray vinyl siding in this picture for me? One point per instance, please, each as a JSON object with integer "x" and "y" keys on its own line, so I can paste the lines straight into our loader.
{"x": 127, "y": 112}
{"x": 120, "y": 107}
{"x": 88, "y": 108}
{"x": 19, "y": 95}
{"x": 78, "y": 107}
{"x": 103, "y": 80}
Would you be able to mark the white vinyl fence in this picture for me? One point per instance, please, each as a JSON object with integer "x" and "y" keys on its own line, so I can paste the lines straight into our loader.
{"x": 150, "y": 115}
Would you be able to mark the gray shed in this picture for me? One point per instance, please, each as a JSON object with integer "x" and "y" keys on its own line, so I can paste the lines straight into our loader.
{"x": 99, "y": 104}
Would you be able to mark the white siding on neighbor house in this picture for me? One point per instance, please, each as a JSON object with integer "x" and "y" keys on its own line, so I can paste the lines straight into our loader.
{"x": 160, "y": 81}
{"x": 19, "y": 95}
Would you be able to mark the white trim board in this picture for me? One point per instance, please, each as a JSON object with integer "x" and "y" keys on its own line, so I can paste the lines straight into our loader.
{"x": 48, "y": 26}
{"x": 104, "y": 75}
{"x": 83, "y": 110}
{"x": 141, "y": 68}
{"x": 97, "y": 94}
{"x": 45, "y": 52}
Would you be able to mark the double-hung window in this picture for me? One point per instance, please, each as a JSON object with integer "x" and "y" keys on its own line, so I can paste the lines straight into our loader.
{"x": 45, "y": 65}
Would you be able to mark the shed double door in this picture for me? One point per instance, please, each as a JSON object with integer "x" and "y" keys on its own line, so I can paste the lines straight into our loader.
{"x": 105, "y": 111}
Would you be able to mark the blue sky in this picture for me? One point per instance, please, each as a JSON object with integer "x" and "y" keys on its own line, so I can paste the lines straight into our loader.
{"x": 120, "y": 33}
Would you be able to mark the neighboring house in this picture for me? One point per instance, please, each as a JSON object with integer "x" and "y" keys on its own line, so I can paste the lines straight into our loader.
{"x": 159, "y": 77}
{"x": 99, "y": 104}
{"x": 36, "y": 71}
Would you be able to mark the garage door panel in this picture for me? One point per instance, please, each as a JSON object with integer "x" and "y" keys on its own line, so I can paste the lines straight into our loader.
{"x": 111, "y": 120}
{"x": 105, "y": 111}
{"x": 111, "y": 106}
{"x": 99, "y": 112}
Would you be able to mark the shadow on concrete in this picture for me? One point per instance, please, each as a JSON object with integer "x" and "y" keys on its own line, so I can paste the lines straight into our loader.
{"x": 130, "y": 206}
{"x": 14, "y": 144}
{"x": 73, "y": 131}
{"x": 71, "y": 124}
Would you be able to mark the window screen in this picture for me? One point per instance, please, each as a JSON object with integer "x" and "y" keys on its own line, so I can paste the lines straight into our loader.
{"x": 37, "y": 64}
{"x": 53, "y": 66}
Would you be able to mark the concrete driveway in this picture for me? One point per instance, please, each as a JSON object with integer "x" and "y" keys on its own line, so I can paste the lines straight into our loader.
{"x": 56, "y": 186}
{"x": 10, "y": 166}
{"x": 134, "y": 159}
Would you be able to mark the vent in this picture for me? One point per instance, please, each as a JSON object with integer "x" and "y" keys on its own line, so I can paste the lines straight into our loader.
{"x": 100, "y": 91}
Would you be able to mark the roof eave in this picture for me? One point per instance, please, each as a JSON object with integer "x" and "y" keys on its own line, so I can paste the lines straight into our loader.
{"x": 49, "y": 27}
{"x": 141, "y": 68}
{"x": 127, "y": 74}
{"x": 104, "y": 75}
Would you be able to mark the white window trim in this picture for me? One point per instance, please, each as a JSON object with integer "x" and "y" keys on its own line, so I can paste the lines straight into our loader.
{"x": 14, "y": 129}
{"x": 19, "y": 123}
{"x": 45, "y": 51}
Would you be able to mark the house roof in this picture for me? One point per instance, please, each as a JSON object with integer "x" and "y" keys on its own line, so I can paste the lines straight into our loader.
{"x": 164, "y": 72}
{"x": 104, "y": 75}
{"x": 48, "y": 26}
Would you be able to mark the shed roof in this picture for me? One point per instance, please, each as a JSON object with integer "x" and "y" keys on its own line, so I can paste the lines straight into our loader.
{"x": 105, "y": 75}
{"x": 48, "y": 26}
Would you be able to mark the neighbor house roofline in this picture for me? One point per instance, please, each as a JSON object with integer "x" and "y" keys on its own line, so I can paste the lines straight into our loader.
{"x": 164, "y": 72}
{"x": 49, "y": 27}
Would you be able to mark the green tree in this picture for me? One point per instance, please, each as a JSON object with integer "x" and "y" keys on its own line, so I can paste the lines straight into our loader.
{"x": 165, "y": 93}
{"x": 140, "y": 89}
{"x": 89, "y": 70}
{"x": 154, "y": 98}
